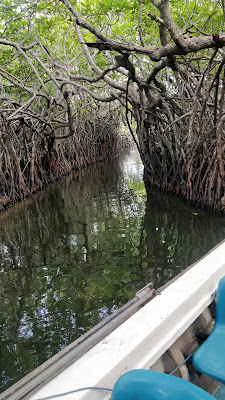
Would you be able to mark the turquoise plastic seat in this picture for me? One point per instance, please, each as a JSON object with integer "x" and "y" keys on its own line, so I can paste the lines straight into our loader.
{"x": 210, "y": 357}
{"x": 141, "y": 384}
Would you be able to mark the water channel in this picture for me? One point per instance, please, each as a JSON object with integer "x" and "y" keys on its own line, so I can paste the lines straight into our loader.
{"x": 80, "y": 249}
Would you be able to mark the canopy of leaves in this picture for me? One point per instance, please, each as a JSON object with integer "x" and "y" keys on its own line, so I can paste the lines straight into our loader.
{"x": 51, "y": 51}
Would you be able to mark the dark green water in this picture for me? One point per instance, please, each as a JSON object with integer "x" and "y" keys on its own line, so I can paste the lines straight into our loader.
{"x": 80, "y": 249}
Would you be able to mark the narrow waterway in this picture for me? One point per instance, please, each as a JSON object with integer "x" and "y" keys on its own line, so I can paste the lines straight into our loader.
{"x": 80, "y": 249}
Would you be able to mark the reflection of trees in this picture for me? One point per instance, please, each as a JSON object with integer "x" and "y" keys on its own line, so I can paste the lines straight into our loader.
{"x": 68, "y": 258}
{"x": 177, "y": 235}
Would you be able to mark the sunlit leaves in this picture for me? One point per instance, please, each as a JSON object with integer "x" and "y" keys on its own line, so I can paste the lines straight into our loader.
{"x": 198, "y": 16}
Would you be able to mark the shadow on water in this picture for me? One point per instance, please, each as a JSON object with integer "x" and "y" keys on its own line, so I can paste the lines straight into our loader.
{"x": 80, "y": 249}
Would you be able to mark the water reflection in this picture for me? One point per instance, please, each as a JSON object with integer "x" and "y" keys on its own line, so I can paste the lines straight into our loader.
{"x": 80, "y": 249}
{"x": 177, "y": 235}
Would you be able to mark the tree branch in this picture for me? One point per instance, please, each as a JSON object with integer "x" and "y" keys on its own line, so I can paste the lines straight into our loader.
{"x": 94, "y": 67}
{"x": 140, "y": 6}
{"x": 182, "y": 45}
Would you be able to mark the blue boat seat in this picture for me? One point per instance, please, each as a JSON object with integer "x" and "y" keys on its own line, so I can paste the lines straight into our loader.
{"x": 142, "y": 384}
{"x": 210, "y": 357}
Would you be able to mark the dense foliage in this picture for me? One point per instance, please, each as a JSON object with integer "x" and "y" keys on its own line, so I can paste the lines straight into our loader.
{"x": 45, "y": 129}
{"x": 161, "y": 60}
